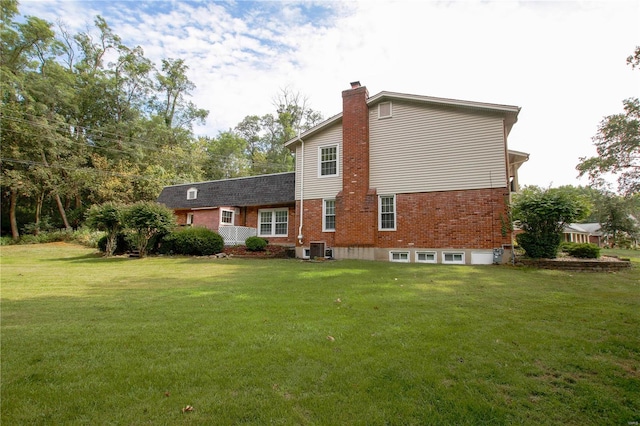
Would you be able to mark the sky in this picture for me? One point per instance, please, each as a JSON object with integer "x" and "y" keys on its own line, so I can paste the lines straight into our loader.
{"x": 562, "y": 62}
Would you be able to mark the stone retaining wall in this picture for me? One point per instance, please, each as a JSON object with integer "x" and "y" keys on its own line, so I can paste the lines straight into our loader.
{"x": 578, "y": 265}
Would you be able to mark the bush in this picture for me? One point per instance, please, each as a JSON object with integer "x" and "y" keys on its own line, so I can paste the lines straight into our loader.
{"x": 539, "y": 246}
{"x": 255, "y": 243}
{"x": 122, "y": 244}
{"x": 585, "y": 251}
{"x": 565, "y": 246}
{"x": 192, "y": 241}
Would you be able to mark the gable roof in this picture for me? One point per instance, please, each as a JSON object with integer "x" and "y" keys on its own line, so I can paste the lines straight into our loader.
{"x": 509, "y": 111}
{"x": 271, "y": 189}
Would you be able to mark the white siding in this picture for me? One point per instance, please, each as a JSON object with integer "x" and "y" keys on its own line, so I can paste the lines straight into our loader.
{"x": 430, "y": 148}
{"x": 314, "y": 186}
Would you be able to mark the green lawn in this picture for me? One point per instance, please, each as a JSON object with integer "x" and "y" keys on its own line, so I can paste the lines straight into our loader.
{"x": 87, "y": 340}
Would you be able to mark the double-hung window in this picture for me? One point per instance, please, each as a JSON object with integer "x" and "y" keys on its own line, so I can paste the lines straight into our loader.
{"x": 328, "y": 160}
{"x": 387, "y": 209}
{"x": 329, "y": 215}
{"x": 226, "y": 217}
{"x": 273, "y": 222}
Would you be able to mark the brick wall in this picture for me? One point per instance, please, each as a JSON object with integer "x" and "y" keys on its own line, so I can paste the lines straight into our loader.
{"x": 472, "y": 219}
{"x": 451, "y": 219}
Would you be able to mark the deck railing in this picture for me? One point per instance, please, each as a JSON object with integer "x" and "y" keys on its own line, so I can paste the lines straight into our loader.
{"x": 235, "y": 235}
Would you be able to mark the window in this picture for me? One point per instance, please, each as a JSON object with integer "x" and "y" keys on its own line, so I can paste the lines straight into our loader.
{"x": 273, "y": 223}
{"x": 329, "y": 215}
{"x": 399, "y": 256}
{"x": 328, "y": 160}
{"x": 189, "y": 218}
{"x": 384, "y": 110}
{"x": 226, "y": 217}
{"x": 451, "y": 257}
{"x": 192, "y": 194}
{"x": 426, "y": 257}
{"x": 387, "y": 208}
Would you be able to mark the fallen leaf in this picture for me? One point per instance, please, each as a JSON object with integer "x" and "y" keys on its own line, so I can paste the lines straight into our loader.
{"x": 187, "y": 408}
{"x": 167, "y": 394}
{"x": 331, "y": 338}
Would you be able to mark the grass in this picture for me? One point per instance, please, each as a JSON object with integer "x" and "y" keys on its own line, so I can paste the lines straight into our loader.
{"x": 89, "y": 340}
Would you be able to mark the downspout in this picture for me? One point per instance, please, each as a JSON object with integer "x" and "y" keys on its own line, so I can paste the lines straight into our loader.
{"x": 300, "y": 237}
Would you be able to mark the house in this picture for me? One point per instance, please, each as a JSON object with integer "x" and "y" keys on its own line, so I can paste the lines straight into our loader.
{"x": 395, "y": 177}
{"x": 237, "y": 208}
{"x": 582, "y": 233}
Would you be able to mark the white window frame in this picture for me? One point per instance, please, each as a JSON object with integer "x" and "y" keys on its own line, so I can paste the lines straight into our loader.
{"x": 189, "y": 219}
{"x": 404, "y": 259}
{"x": 337, "y": 160}
{"x": 426, "y": 253}
{"x": 380, "y": 213}
{"x": 192, "y": 193}
{"x": 324, "y": 216}
{"x": 453, "y": 253}
{"x": 223, "y": 223}
{"x": 380, "y": 116}
{"x": 273, "y": 222}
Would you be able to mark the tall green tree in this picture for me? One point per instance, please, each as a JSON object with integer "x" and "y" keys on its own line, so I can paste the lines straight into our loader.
{"x": 617, "y": 215}
{"x": 617, "y": 143}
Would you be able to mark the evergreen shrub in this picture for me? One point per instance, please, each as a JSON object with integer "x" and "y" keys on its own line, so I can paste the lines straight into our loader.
{"x": 585, "y": 251}
{"x": 192, "y": 241}
{"x": 256, "y": 243}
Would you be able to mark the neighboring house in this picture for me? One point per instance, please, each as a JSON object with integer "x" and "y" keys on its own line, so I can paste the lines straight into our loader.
{"x": 237, "y": 208}
{"x": 582, "y": 233}
{"x": 395, "y": 177}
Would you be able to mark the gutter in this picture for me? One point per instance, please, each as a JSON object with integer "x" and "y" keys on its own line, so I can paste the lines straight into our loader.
{"x": 300, "y": 236}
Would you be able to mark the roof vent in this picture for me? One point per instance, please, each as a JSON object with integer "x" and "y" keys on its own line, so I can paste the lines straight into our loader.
{"x": 355, "y": 84}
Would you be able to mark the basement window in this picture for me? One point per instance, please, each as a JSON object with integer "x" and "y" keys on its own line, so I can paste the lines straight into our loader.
{"x": 399, "y": 256}
{"x": 453, "y": 257}
{"x": 384, "y": 110}
{"x": 426, "y": 257}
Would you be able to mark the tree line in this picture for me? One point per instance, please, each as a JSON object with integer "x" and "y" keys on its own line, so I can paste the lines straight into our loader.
{"x": 87, "y": 119}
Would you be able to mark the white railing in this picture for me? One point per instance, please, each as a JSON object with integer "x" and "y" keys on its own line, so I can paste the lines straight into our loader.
{"x": 235, "y": 235}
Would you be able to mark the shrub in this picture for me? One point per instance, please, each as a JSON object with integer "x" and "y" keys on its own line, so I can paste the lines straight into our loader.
{"x": 255, "y": 243}
{"x": 193, "y": 241}
{"x": 585, "y": 250}
{"x": 565, "y": 246}
{"x": 539, "y": 246}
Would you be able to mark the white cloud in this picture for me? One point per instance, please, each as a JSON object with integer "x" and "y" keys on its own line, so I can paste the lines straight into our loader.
{"x": 562, "y": 62}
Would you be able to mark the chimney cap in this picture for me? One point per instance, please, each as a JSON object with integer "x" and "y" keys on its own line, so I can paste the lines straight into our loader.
{"x": 355, "y": 84}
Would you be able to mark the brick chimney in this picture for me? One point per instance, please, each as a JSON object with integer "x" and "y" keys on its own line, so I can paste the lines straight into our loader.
{"x": 356, "y": 204}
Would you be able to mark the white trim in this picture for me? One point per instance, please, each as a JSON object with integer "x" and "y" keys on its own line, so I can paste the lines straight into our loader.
{"x": 189, "y": 219}
{"x": 337, "y": 160}
{"x": 427, "y": 253}
{"x": 395, "y": 218}
{"x": 272, "y": 222}
{"x": 454, "y": 254}
{"x": 324, "y": 215}
{"x": 380, "y": 116}
{"x": 406, "y": 259}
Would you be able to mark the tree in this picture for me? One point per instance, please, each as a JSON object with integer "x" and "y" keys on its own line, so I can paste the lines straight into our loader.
{"x": 106, "y": 217}
{"x": 147, "y": 220}
{"x": 616, "y": 215}
{"x": 542, "y": 214}
{"x": 617, "y": 143}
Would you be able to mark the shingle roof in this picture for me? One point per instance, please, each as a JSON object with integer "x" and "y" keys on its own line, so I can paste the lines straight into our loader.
{"x": 240, "y": 192}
